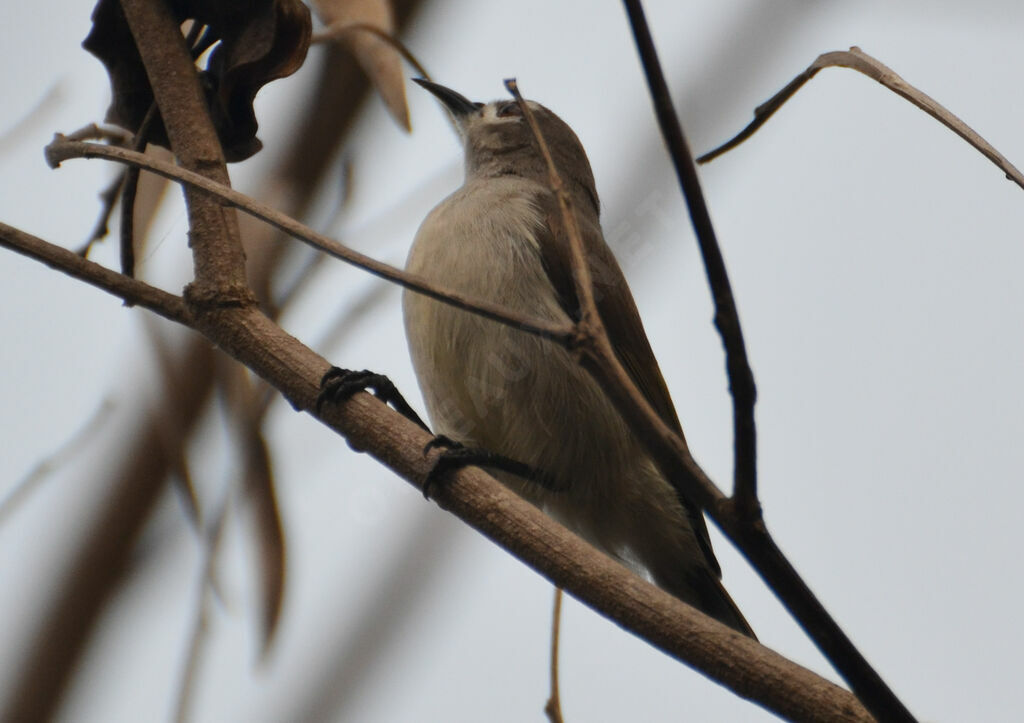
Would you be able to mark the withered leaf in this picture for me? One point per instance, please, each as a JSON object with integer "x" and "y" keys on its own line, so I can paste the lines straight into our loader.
{"x": 254, "y": 42}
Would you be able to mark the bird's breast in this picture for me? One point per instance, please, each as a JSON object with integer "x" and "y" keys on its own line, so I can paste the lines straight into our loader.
{"x": 491, "y": 385}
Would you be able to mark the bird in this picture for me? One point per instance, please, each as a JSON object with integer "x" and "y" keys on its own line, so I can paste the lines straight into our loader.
{"x": 489, "y": 386}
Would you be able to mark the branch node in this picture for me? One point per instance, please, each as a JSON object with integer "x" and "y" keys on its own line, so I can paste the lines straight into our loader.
{"x": 202, "y": 298}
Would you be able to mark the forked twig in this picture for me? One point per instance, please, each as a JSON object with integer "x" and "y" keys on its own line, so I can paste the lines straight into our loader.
{"x": 747, "y": 530}
{"x": 857, "y": 59}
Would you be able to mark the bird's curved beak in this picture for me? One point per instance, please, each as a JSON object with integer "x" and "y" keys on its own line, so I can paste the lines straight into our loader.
{"x": 456, "y": 103}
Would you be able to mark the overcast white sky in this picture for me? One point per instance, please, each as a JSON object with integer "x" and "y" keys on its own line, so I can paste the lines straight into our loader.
{"x": 875, "y": 259}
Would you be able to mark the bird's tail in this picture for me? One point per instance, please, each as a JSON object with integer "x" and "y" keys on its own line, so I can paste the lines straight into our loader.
{"x": 713, "y": 599}
{"x": 702, "y": 589}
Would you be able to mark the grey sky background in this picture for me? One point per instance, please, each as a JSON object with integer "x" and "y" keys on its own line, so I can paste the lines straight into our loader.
{"x": 876, "y": 262}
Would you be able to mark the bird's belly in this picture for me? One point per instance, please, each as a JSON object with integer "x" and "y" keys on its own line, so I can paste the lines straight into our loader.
{"x": 489, "y": 385}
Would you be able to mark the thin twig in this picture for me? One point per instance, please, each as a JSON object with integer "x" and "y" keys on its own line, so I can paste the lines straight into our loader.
{"x": 61, "y": 149}
{"x": 108, "y": 199}
{"x": 335, "y": 32}
{"x": 741, "y": 378}
{"x": 24, "y": 487}
{"x": 582, "y": 278}
{"x": 131, "y": 290}
{"x": 204, "y": 609}
{"x": 93, "y": 132}
{"x": 858, "y": 60}
{"x": 34, "y": 118}
{"x": 553, "y": 708}
{"x": 747, "y": 531}
{"x": 597, "y": 356}
{"x": 131, "y": 190}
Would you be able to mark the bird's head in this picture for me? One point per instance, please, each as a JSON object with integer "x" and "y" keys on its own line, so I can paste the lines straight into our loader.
{"x": 498, "y": 141}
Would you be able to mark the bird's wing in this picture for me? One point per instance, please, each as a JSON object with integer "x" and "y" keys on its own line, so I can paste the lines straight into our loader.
{"x": 621, "y": 320}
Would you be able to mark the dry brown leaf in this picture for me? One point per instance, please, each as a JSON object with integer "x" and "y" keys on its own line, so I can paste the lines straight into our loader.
{"x": 259, "y": 485}
{"x": 378, "y": 58}
{"x": 246, "y": 414}
{"x": 253, "y": 43}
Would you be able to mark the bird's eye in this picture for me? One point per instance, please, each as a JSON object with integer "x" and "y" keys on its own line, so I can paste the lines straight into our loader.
{"x": 510, "y": 109}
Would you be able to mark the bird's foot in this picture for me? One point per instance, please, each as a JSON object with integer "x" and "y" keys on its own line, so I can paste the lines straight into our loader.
{"x": 456, "y": 456}
{"x": 339, "y": 384}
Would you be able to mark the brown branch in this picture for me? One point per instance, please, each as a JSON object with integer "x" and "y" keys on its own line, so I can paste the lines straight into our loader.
{"x": 857, "y": 59}
{"x": 725, "y": 656}
{"x": 130, "y": 290}
{"x": 742, "y": 521}
{"x": 219, "y": 261}
{"x": 61, "y": 149}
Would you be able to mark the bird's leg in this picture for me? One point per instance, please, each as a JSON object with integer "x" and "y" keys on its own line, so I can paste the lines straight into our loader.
{"x": 339, "y": 384}
{"x": 456, "y": 456}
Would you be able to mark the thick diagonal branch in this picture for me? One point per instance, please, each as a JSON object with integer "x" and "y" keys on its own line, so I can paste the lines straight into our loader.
{"x": 733, "y": 660}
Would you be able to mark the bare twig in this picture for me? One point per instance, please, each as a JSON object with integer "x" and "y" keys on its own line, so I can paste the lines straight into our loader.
{"x": 857, "y": 59}
{"x": 61, "y": 150}
{"x": 741, "y": 378}
{"x": 335, "y": 32}
{"x": 667, "y": 448}
{"x": 582, "y": 278}
{"x": 108, "y": 199}
{"x": 204, "y": 610}
{"x": 12, "y": 136}
{"x": 131, "y": 191}
{"x": 553, "y": 708}
{"x": 747, "y": 530}
{"x": 93, "y": 132}
{"x": 28, "y": 484}
{"x": 149, "y": 297}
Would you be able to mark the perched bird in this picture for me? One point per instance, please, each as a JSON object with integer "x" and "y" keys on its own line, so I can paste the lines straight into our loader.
{"x": 500, "y": 237}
